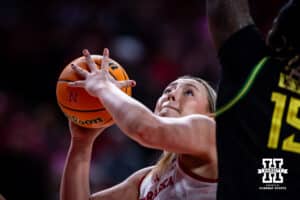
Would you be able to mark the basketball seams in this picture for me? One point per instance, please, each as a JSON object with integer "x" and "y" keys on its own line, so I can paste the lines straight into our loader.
{"x": 125, "y": 78}
{"x": 65, "y": 80}
{"x": 81, "y": 110}
{"x": 112, "y": 75}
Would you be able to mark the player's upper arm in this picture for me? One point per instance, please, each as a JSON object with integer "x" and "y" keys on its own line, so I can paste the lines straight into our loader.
{"x": 193, "y": 134}
{"x": 227, "y": 17}
{"x": 128, "y": 189}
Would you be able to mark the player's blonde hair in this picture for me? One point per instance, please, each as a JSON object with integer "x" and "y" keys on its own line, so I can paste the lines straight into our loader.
{"x": 167, "y": 157}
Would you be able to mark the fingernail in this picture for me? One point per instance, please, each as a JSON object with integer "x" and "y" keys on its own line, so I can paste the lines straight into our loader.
{"x": 133, "y": 83}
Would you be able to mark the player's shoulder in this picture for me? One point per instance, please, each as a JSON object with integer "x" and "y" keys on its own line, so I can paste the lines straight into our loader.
{"x": 244, "y": 36}
{"x": 136, "y": 177}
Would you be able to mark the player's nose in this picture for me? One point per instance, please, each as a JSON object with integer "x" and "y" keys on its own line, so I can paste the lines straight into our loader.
{"x": 172, "y": 95}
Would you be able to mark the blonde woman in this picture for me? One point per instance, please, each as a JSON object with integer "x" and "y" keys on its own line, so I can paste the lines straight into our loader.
{"x": 181, "y": 126}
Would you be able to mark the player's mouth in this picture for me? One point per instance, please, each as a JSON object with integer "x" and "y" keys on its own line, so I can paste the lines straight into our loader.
{"x": 171, "y": 107}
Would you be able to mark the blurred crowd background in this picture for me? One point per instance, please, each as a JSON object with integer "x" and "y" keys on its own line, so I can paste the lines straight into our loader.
{"x": 154, "y": 40}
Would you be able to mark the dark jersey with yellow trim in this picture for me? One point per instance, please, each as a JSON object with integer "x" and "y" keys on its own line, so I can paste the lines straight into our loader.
{"x": 258, "y": 136}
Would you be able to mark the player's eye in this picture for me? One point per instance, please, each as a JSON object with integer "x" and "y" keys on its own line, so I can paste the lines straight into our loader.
{"x": 189, "y": 92}
{"x": 167, "y": 90}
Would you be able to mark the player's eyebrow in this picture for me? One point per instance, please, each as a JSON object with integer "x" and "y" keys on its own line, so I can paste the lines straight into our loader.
{"x": 192, "y": 85}
{"x": 184, "y": 84}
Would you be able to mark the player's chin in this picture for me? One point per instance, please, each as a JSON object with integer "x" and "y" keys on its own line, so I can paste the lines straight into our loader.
{"x": 168, "y": 113}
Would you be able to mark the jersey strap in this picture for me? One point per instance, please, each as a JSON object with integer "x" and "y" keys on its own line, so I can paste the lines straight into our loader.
{"x": 245, "y": 89}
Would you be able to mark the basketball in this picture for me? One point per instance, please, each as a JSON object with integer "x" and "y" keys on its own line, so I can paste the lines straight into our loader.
{"x": 76, "y": 104}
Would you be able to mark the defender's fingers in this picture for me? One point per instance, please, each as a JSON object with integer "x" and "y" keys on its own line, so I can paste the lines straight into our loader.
{"x": 105, "y": 59}
{"x": 79, "y": 70}
{"x": 76, "y": 83}
{"x": 126, "y": 83}
{"x": 90, "y": 62}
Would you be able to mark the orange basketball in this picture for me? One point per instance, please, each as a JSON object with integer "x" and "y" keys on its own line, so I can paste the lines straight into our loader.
{"x": 77, "y": 104}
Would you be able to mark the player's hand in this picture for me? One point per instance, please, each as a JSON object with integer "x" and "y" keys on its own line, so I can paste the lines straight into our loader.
{"x": 82, "y": 134}
{"x": 97, "y": 78}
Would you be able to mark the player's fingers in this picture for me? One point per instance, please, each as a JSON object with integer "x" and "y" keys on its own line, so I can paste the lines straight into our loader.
{"x": 79, "y": 70}
{"x": 105, "y": 59}
{"x": 126, "y": 83}
{"x": 90, "y": 62}
{"x": 77, "y": 83}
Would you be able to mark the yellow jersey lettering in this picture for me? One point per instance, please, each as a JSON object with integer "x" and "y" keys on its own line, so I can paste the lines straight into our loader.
{"x": 289, "y": 83}
{"x": 292, "y": 119}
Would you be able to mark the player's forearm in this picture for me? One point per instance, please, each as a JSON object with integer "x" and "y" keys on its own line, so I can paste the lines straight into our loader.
{"x": 75, "y": 179}
{"x": 130, "y": 115}
{"x": 226, "y": 17}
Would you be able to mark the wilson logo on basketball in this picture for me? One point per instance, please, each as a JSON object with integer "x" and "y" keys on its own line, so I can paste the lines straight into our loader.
{"x": 85, "y": 122}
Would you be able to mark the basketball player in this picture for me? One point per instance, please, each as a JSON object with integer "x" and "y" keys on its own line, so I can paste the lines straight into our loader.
{"x": 181, "y": 126}
{"x": 258, "y": 117}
